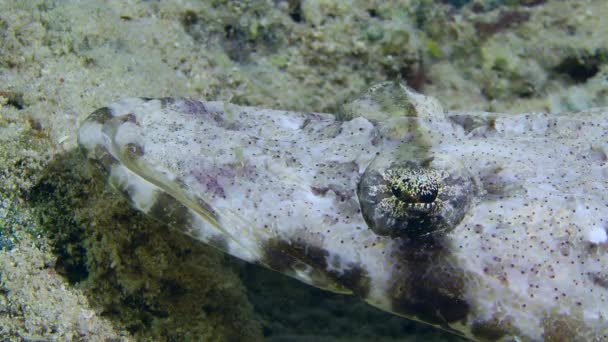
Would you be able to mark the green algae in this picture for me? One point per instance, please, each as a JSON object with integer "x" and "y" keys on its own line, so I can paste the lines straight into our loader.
{"x": 22, "y": 157}
{"x": 130, "y": 268}
{"x": 155, "y": 283}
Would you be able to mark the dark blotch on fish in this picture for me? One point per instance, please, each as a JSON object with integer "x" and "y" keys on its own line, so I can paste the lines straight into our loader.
{"x": 283, "y": 255}
{"x": 427, "y": 285}
{"x": 101, "y": 116}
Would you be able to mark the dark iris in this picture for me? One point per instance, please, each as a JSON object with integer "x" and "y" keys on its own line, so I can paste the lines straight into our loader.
{"x": 428, "y": 196}
{"x": 424, "y": 192}
{"x": 396, "y": 192}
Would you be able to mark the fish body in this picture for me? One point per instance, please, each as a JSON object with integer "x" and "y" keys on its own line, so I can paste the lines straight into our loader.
{"x": 492, "y": 226}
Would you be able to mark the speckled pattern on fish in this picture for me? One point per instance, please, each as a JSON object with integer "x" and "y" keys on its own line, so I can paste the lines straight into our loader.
{"x": 488, "y": 225}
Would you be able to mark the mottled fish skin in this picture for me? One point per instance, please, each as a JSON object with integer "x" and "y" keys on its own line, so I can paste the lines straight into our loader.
{"x": 519, "y": 251}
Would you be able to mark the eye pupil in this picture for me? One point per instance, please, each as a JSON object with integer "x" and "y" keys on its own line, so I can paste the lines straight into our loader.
{"x": 396, "y": 192}
{"x": 418, "y": 188}
{"x": 428, "y": 196}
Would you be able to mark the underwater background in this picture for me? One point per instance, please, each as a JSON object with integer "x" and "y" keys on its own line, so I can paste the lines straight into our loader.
{"x": 76, "y": 263}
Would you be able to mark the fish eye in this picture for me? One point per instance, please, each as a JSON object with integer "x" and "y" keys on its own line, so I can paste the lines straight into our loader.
{"x": 415, "y": 199}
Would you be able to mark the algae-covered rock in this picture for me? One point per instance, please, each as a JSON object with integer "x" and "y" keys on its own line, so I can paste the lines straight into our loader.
{"x": 147, "y": 280}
